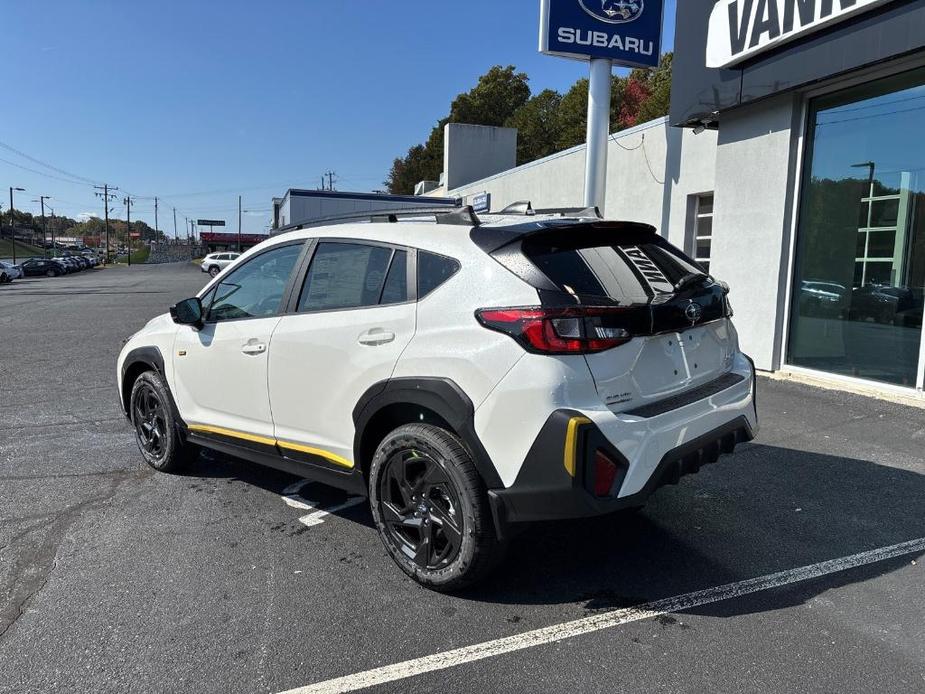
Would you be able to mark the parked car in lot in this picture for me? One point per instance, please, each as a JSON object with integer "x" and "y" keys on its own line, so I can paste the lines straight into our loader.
{"x": 10, "y": 272}
{"x": 214, "y": 263}
{"x": 40, "y": 266}
{"x": 65, "y": 267}
{"x": 469, "y": 377}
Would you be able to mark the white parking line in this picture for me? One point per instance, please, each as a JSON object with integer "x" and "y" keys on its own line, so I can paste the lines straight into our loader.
{"x": 292, "y": 497}
{"x": 586, "y": 625}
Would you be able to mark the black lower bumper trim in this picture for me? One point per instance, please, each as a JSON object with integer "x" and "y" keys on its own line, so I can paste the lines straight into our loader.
{"x": 549, "y": 495}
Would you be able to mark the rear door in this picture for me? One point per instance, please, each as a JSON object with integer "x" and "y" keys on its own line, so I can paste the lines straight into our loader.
{"x": 355, "y": 314}
{"x": 675, "y": 311}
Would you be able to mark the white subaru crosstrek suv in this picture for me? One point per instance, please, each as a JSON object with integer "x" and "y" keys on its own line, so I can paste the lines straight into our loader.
{"x": 469, "y": 375}
{"x": 214, "y": 263}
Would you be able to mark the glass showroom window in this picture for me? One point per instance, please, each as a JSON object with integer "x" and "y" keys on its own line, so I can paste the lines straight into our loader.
{"x": 703, "y": 230}
{"x": 860, "y": 266}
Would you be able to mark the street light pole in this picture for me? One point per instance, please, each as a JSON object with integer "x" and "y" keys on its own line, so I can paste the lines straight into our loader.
{"x": 128, "y": 225}
{"x": 12, "y": 228}
{"x": 42, "y": 199}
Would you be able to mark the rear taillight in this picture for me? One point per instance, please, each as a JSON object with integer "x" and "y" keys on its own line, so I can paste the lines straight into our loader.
{"x": 568, "y": 330}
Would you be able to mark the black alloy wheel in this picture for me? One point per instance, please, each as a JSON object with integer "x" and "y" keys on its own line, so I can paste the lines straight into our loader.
{"x": 431, "y": 508}
{"x": 420, "y": 509}
{"x": 214, "y": 270}
{"x": 150, "y": 419}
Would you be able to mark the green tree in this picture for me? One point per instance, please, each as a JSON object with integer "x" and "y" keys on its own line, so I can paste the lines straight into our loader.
{"x": 573, "y": 112}
{"x": 500, "y": 92}
{"x": 539, "y": 126}
{"x": 659, "y": 101}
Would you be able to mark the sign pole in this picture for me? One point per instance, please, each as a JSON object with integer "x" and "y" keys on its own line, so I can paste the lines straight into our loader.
{"x": 599, "y": 91}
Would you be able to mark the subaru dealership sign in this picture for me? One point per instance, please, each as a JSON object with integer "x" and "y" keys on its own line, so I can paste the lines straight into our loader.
{"x": 628, "y": 32}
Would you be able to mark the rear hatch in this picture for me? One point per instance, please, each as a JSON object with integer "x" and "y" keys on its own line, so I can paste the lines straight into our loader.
{"x": 675, "y": 313}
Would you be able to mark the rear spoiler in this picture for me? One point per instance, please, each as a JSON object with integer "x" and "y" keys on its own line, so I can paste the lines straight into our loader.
{"x": 491, "y": 239}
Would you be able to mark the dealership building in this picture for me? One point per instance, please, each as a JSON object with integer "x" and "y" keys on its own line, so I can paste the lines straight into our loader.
{"x": 792, "y": 165}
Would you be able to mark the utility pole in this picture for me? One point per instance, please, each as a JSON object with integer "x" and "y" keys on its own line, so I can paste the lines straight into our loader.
{"x": 330, "y": 175}
{"x": 156, "y": 230}
{"x": 106, "y": 195}
{"x": 239, "y": 224}
{"x": 13, "y": 228}
{"x": 177, "y": 238}
{"x": 128, "y": 223}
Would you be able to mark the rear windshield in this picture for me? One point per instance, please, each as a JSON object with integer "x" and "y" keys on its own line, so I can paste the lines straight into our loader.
{"x": 632, "y": 271}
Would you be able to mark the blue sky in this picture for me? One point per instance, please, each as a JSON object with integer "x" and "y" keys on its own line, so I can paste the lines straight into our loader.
{"x": 198, "y": 101}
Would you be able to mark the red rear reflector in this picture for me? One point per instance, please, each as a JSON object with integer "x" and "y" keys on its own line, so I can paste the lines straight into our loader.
{"x": 569, "y": 330}
{"x": 605, "y": 472}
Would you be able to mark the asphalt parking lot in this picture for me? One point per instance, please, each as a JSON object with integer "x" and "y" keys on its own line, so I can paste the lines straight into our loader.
{"x": 236, "y": 579}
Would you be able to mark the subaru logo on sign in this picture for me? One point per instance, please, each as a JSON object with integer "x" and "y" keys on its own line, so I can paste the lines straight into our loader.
{"x": 693, "y": 312}
{"x": 612, "y": 11}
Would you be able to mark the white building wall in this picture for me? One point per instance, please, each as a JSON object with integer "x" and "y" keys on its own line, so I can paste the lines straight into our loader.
{"x": 755, "y": 172}
{"x": 639, "y": 185}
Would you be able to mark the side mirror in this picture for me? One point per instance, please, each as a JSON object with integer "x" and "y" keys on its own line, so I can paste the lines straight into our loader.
{"x": 188, "y": 312}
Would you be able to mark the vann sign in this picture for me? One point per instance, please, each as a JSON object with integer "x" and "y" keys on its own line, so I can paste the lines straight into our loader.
{"x": 740, "y": 29}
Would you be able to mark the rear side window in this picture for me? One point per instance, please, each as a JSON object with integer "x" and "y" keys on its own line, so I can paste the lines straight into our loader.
{"x": 434, "y": 270}
{"x": 347, "y": 275}
{"x": 631, "y": 272}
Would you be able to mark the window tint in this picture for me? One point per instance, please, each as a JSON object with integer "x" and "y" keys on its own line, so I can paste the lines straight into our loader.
{"x": 628, "y": 273}
{"x": 395, "y": 290}
{"x": 345, "y": 275}
{"x": 433, "y": 270}
{"x": 256, "y": 288}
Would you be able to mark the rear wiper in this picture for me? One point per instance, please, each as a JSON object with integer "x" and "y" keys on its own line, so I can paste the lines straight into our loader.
{"x": 689, "y": 279}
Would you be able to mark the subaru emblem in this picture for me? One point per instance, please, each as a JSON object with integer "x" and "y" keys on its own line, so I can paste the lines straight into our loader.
{"x": 693, "y": 312}
{"x": 613, "y": 11}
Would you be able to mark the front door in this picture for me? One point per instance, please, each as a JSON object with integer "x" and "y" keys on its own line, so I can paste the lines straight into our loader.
{"x": 221, "y": 370}
{"x": 355, "y": 316}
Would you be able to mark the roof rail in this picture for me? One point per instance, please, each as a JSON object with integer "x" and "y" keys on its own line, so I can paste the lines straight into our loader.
{"x": 442, "y": 215}
{"x": 520, "y": 207}
{"x": 580, "y": 212}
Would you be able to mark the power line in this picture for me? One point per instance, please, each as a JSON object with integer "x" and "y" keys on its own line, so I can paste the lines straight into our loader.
{"x": 42, "y": 173}
{"x": 48, "y": 166}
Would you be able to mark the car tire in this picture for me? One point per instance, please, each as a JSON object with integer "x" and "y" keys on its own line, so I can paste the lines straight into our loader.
{"x": 156, "y": 431}
{"x": 51, "y": 273}
{"x": 431, "y": 508}
{"x": 214, "y": 270}
{"x": 3, "y": 278}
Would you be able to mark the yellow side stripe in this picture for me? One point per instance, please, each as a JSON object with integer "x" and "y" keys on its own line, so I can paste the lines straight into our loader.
{"x": 571, "y": 443}
{"x": 301, "y": 448}
{"x": 311, "y": 450}
{"x": 207, "y": 429}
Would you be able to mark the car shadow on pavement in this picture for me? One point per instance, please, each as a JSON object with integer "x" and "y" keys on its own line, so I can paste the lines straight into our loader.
{"x": 766, "y": 509}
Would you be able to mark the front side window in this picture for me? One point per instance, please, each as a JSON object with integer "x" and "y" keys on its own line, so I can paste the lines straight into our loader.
{"x": 255, "y": 289}
{"x": 349, "y": 275}
{"x": 857, "y": 300}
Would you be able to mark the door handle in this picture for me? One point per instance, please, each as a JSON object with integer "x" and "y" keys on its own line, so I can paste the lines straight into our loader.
{"x": 254, "y": 348}
{"x": 375, "y": 337}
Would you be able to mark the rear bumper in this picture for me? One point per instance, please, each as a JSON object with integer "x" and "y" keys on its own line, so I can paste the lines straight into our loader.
{"x": 649, "y": 453}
